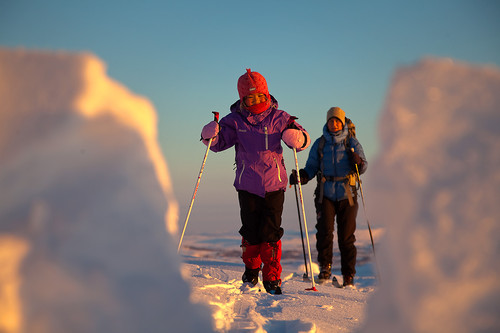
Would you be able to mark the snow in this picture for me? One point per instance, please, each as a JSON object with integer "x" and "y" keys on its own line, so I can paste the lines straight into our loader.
{"x": 86, "y": 201}
{"x": 214, "y": 268}
{"x": 434, "y": 188}
{"x": 88, "y": 231}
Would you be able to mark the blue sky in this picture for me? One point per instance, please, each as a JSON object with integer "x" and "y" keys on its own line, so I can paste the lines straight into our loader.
{"x": 186, "y": 56}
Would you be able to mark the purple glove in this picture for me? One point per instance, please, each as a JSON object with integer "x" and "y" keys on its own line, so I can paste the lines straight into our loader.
{"x": 293, "y": 138}
{"x": 210, "y": 130}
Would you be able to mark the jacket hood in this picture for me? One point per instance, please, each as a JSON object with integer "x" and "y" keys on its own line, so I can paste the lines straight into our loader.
{"x": 336, "y": 137}
{"x": 252, "y": 118}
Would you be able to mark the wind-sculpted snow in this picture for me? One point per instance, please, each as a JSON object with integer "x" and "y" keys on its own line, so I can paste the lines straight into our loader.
{"x": 86, "y": 204}
{"x": 435, "y": 188}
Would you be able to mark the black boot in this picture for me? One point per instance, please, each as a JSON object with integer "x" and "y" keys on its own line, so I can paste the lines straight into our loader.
{"x": 273, "y": 287}
{"x": 348, "y": 281}
{"x": 251, "y": 276}
{"x": 325, "y": 272}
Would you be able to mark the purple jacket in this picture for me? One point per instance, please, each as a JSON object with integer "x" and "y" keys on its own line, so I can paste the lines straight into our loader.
{"x": 260, "y": 167}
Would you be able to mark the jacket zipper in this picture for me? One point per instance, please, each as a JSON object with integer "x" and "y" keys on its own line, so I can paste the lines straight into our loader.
{"x": 241, "y": 173}
{"x": 265, "y": 132}
{"x": 277, "y": 166}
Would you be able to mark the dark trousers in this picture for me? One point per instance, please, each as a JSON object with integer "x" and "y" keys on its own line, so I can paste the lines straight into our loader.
{"x": 346, "y": 226}
{"x": 261, "y": 217}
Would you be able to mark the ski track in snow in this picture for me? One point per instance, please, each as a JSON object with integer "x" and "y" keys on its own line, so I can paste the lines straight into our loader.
{"x": 240, "y": 308}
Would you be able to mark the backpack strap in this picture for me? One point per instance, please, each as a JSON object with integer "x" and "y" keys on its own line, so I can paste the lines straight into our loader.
{"x": 319, "y": 177}
{"x": 321, "y": 146}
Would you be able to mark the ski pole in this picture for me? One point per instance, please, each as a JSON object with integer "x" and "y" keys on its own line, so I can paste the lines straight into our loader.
{"x": 364, "y": 208}
{"x": 306, "y": 274}
{"x": 305, "y": 222}
{"x": 366, "y": 216}
{"x": 216, "y": 118}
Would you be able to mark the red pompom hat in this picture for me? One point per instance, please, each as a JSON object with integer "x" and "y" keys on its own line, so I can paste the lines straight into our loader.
{"x": 253, "y": 83}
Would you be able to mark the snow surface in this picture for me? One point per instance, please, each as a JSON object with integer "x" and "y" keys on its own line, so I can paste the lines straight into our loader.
{"x": 86, "y": 199}
{"x": 214, "y": 268}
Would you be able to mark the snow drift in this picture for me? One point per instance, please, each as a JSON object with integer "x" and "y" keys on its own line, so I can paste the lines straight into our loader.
{"x": 86, "y": 204}
{"x": 435, "y": 187}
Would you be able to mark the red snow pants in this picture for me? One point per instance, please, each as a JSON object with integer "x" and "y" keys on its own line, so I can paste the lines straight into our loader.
{"x": 268, "y": 254}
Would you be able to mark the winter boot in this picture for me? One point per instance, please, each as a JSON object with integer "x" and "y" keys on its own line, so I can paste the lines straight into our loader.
{"x": 324, "y": 273}
{"x": 348, "y": 281}
{"x": 251, "y": 276}
{"x": 273, "y": 287}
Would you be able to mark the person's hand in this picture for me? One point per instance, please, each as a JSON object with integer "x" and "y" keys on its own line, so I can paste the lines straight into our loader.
{"x": 293, "y": 177}
{"x": 210, "y": 130}
{"x": 293, "y": 138}
{"x": 304, "y": 178}
{"x": 356, "y": 160}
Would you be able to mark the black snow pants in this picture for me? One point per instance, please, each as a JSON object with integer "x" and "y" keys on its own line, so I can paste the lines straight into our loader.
{"x": 346, "y": 226}
{"x": 261, "y": 217}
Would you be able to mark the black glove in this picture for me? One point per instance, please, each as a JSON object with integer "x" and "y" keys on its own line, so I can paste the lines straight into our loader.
{"x": 304, "y": 178}
{"x": 356, "y": 160}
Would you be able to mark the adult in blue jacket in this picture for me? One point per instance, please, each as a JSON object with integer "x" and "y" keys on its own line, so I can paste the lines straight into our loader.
{"x": 333, "y": 158}
{"x": 255, "y": 127}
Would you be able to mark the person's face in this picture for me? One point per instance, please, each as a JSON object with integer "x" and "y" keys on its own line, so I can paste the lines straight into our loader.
{"x": 334, "y": 124}
{"x": 254, "y": 99}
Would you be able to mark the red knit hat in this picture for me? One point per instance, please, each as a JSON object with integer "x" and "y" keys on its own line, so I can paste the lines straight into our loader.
{"x": 253, "y": 83}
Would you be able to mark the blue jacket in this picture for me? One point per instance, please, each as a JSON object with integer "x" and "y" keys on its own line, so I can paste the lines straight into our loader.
{"x": 260, "y": 167}
{"x": 335, "y": 161}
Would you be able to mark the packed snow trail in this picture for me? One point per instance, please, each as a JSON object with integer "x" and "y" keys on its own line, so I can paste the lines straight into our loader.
{"x": 236, "y": 307}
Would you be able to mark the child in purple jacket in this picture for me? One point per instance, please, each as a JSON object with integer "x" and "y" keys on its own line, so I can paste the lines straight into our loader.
{"x": 255, "y": 127}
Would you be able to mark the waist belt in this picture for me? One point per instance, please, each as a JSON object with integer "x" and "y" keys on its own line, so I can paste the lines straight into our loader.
{"x": 333, "y": 179}
{"x": 347, "y": 186}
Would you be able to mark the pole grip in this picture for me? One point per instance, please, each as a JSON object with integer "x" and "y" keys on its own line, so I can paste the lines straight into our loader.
{"x": 290, "y": 121}
{"x": 216, "y": 116}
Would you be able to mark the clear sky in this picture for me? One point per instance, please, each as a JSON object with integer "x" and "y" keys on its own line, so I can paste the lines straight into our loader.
{"x": 186, "y": 56}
